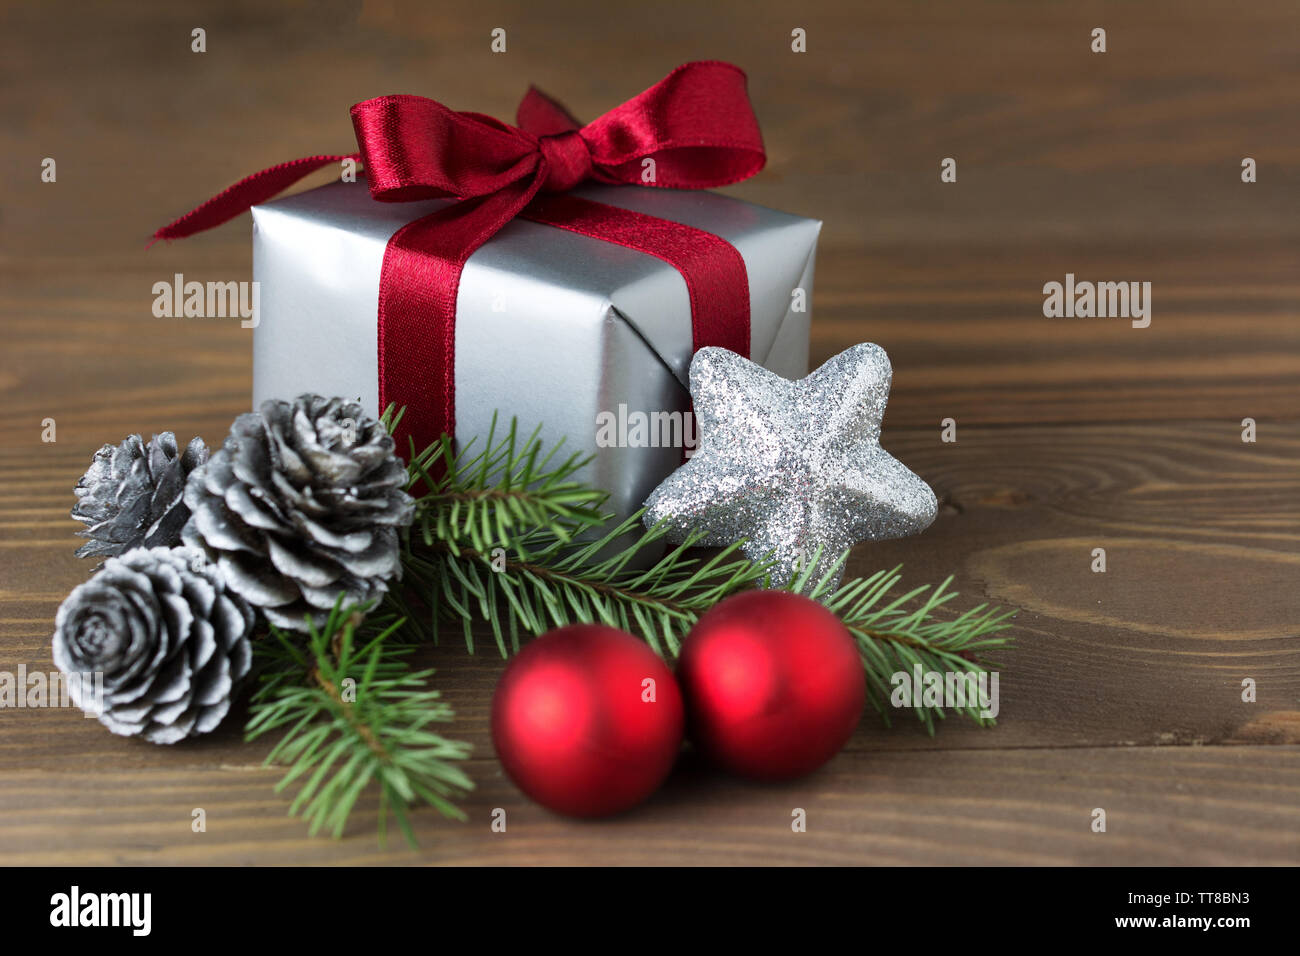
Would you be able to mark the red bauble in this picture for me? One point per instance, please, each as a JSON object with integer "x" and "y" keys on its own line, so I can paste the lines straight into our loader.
{"x": 773, "y": 684}
{"x": 572, "y": 726}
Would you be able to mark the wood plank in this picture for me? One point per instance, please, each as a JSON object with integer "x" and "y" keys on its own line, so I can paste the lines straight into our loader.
{"x": 1166, "y": 806}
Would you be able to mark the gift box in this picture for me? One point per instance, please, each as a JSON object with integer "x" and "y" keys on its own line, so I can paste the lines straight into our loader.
{"x": 559, "y": 274}
{"x": 585, "y": 338}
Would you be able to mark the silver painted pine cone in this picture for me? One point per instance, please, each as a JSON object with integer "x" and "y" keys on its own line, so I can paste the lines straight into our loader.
{"x": 131, "y": 496}
{"x": 169, "y": 638}
{"x": 303, "y": 502}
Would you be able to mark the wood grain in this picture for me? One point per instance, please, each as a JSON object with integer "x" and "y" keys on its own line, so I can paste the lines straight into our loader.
{"x": 1123, "y": 690}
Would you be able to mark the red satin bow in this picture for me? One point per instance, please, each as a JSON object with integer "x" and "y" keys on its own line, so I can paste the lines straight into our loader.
{"x": 696, "y": 125}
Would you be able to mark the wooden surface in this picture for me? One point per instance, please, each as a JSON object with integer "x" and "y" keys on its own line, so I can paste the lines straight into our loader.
{"x": 1123, "y": 691}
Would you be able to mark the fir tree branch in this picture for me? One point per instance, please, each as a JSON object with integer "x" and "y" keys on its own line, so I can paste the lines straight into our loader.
{"x": 509, "y": 487}
{"x": 542, "y": 581}
{"x": 544, "y": 575}
{"x": 539, "y": 568}
{"x": 895, "y": 636}
{"x": 351, "y": 713}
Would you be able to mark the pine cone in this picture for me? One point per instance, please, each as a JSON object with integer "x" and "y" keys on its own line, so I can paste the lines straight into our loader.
{"x": 169, "y": 638}
{"x": 131, "y": 497}
{"x": 303, "y": 501}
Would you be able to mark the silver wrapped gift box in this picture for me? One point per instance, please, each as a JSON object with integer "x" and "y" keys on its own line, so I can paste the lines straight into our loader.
{"x": 552, "y": 328}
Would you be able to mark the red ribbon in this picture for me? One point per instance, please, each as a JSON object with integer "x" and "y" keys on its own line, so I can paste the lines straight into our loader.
{"x": 696, "y": 124}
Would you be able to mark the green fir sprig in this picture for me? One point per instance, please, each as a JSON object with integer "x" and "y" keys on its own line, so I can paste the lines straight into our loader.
{"x": 566, "y": 564}
{"x": 351, "y": 712}
{"x": 895, "y": 635}
{"x": 488, "y": 495}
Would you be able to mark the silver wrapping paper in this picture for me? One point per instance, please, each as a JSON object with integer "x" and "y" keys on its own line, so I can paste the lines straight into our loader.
{"x": 551, "y": 327}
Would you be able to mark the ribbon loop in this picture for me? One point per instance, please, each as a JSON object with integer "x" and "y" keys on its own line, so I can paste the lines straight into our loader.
{"x": 696, "y": 124}
{"x": 416, "y": 148}
{"x": 542, "y": 115}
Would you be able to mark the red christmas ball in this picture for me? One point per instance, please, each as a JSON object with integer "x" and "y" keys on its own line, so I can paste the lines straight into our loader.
{"x": 773, "y": 684}
{"x": 578, "y": 727}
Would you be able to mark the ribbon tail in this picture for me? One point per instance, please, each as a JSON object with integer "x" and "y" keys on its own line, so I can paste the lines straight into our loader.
{"x": 243, "y": 195}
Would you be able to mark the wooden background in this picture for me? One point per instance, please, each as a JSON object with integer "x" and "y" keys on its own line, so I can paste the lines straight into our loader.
{"x": 1123, "y": 691}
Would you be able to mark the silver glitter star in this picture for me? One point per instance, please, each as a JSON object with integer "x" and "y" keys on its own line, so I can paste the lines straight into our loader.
{"x": 789, "y": 466}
